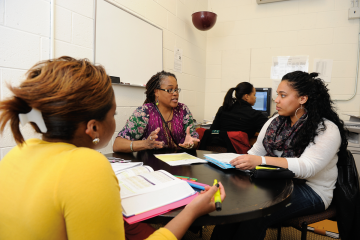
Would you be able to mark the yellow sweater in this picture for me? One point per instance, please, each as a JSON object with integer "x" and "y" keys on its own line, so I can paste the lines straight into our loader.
{"x": 59, "y": 191}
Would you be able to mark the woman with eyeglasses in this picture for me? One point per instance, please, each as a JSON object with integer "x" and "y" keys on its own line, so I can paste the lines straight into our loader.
{"x": 161, "y": 122}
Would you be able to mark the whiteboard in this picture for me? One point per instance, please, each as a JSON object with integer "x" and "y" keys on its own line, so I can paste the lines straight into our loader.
{"x": 127, "y": 46}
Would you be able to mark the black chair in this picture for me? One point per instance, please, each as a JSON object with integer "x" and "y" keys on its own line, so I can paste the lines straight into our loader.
{"x": 345, "y": 207}
{"x": 218, "y": 142}
{"x": 301, "y": 223}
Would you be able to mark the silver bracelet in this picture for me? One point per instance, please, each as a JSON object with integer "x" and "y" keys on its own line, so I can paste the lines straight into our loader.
{"x": 263, "y": 161}
{"x": 131, "y": 146}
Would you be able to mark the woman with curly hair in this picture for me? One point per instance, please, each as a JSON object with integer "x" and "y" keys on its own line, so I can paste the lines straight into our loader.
{"x": 161, "y": 121}
{"x": 306, "y": 136}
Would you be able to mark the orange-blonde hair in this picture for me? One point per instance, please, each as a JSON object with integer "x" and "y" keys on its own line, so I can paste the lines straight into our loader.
{"x": 67, "y": 91}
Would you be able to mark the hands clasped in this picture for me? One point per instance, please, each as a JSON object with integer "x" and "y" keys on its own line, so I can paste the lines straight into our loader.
{"x": 246, "y": 162}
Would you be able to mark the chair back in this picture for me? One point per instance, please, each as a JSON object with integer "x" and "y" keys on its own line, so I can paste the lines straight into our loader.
{"x": 347, "y": 198}
{"x": 217, "y": 139}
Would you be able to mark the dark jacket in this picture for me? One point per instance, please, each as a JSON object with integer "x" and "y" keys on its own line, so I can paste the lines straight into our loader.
{"x": 241, "y": 117}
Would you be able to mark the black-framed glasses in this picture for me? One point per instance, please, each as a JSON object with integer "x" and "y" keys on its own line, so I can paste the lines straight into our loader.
{"x": 178, "y": 90}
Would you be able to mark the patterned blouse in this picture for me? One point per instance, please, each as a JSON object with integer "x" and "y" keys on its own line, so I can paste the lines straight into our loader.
{"x": 146, "y": 119}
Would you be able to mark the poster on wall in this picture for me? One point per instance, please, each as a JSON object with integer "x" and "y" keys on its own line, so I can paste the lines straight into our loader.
{"x": 282, "y": 65}
{"x": 324, "y": 68}
{"x": 178, "y": 60}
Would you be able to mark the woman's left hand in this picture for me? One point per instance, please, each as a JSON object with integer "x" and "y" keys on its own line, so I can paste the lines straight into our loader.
{"x": 246, "y": 162}
{"x": 189, "y": 140}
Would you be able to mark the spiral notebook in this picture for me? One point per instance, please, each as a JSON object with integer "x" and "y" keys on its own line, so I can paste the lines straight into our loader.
{"x": 222, "y": 160}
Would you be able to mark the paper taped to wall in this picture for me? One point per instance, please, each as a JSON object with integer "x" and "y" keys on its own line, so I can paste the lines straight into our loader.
{"x": 282, "y": 65}
{"x": 178, "y": 60}
{"x": 324, "y": 68}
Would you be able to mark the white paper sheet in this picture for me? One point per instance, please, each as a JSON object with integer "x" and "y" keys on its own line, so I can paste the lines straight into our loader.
{"x": 282, "y": 65}
{"x": 178, "y": 60}
{"x": 176, "y": 159}
{"x": 324, "y": 68}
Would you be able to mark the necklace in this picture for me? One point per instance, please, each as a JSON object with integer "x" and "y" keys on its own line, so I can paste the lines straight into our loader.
{"x": 169, "y": 115}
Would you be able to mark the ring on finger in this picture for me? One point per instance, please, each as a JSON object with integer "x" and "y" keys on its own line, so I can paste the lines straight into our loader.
{"x": 150, "y": 138}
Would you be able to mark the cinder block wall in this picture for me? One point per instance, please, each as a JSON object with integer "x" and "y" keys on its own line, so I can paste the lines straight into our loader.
{"x": 24, "y": 40}
{"x": 246, "y": 36}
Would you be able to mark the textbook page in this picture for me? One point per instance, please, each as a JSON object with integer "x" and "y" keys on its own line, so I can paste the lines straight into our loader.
{"x": 119, "y": 167}
{"x": 151, "y": 190}
{"x": 133, "y": 171}
{"x": 145, "y": 182}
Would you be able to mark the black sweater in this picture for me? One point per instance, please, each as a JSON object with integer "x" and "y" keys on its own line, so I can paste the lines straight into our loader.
{"x": 241, "y": 117}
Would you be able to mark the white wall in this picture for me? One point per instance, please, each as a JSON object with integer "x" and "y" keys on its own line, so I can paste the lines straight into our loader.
{"x": 25, "y": 33}
{"x": 238, "y": 48}
{"x": 247, "y": 35}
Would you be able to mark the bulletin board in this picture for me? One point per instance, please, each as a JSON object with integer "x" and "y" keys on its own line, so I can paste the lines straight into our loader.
{"x": 127, "y": 46}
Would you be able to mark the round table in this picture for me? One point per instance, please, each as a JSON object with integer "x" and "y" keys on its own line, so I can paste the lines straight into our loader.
{"x": 246, "y": 198}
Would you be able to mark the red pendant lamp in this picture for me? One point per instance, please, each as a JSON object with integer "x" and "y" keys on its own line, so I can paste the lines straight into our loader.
{"x": 204, "y": 20}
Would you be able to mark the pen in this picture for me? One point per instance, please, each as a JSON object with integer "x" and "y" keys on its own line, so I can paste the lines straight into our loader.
{"x": 189, "y": 178}
{"x": 217, "y": 197}
{"x": 195, "y": 185}
{"x": 269, "y": 168}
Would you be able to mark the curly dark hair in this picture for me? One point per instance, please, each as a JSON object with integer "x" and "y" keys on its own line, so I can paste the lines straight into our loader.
{"x": 319, "y": 106}
{"x": 154, "y": 83}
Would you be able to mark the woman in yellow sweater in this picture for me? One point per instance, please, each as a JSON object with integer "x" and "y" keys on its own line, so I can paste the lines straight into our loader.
{"x": 60, "y": 187}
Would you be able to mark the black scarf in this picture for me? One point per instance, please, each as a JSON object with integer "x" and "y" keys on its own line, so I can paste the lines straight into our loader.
{"x": 280, "y": 136}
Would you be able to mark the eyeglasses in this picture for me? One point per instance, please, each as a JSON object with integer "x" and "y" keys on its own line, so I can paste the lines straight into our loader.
{"x": 178, "y": 90}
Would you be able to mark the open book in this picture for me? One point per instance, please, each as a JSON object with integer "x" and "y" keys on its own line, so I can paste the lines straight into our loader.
{"x": 143, "y": 189}
{"x": 119, "y": 167}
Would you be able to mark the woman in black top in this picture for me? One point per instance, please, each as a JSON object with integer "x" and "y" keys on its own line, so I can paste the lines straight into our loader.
{"x": 236, "y": 114}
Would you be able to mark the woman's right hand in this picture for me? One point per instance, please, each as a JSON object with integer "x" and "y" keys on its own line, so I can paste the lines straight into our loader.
{"x": 204, "y": 203}
{"x": 151, "y": 142}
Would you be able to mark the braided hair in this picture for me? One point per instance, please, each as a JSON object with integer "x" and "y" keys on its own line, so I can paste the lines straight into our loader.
{"x": 241, "y": 89}
{"x": 319, "y": 106}
{"x": 154, "y": 83}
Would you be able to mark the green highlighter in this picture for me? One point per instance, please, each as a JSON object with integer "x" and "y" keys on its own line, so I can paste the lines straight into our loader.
{"x": 217, "y": 197}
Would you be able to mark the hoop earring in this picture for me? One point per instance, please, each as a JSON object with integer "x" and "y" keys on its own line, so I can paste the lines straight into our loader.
{"x": 96, "y": 141}
{"x": 301, "y": 107}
